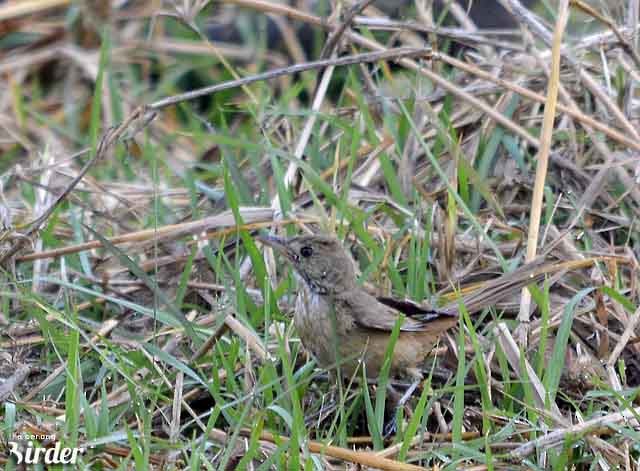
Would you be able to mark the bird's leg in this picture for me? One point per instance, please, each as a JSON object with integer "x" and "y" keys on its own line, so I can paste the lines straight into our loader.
{"x": 392, "y": 426}
{"x": 335, "y": 386}
{"x": 409, "y": 392}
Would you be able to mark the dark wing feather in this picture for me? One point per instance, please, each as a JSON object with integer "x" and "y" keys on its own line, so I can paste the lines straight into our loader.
{"x": 412, "y": 309}
{"x": 371, "y": 313}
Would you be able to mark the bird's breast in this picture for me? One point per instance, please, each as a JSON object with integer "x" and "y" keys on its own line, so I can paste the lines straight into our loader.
{"x": 315, "y": 322}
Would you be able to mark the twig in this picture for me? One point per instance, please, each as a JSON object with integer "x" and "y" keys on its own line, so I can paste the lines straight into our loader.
{"x": 629, "y": 332}
{"x": 458, "y": 34}
{"x": 579, "y": 429}
{"x": 136, "y": 121}
{"x": 626, "y": 45}
{"x": 252, "y": 215}
{"x": 387, "y": 54}
{"x": 26, "y": 7}
{"x": 271, "y": 7}
{"x": 526, "y": 17}
{"x": 353, "y": 456}
{"x": 525, "y": 92}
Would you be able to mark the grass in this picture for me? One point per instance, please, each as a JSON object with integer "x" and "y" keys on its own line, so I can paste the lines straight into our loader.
{"x": 168, "y": 343}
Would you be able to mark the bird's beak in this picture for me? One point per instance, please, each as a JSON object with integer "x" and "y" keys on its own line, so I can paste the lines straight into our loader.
{"x": 281, "y": 245}
{"x": 277, "y": 243}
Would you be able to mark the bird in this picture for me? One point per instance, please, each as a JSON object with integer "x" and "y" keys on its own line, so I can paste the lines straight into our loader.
{"x": 344, "y": 326}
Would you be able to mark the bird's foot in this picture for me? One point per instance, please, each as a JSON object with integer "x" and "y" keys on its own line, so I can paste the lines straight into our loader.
{"x": 408, "y": 393}
{"x": 391, "y": 427}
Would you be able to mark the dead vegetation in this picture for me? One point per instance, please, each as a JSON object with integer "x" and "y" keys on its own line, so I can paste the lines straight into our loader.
{"x": 138, "y": 157}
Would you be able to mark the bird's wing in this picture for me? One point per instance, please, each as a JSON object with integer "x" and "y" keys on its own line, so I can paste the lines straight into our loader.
{"x": 369, "y": 312}
{"x": 413, "y": 310}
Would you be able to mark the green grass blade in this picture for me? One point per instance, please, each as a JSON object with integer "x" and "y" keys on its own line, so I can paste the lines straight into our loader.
{"x": 551, "y": 379}
{"x": 146, "y": 279}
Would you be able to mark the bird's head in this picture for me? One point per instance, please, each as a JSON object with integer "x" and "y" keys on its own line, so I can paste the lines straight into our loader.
{"x": 321, "y": 261}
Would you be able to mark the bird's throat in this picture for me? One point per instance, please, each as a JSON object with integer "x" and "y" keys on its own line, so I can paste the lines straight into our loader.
{"x": 310, "y": 284}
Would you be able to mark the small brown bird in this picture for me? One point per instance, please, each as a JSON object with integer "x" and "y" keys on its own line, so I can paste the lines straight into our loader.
{"x": 342, "y": 324}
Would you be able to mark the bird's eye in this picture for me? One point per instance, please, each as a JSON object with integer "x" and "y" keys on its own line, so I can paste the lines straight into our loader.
{"x": 306, "y": 251}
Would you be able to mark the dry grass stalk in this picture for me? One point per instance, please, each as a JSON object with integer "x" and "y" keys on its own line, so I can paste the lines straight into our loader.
{"x": 542, "y": 162}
